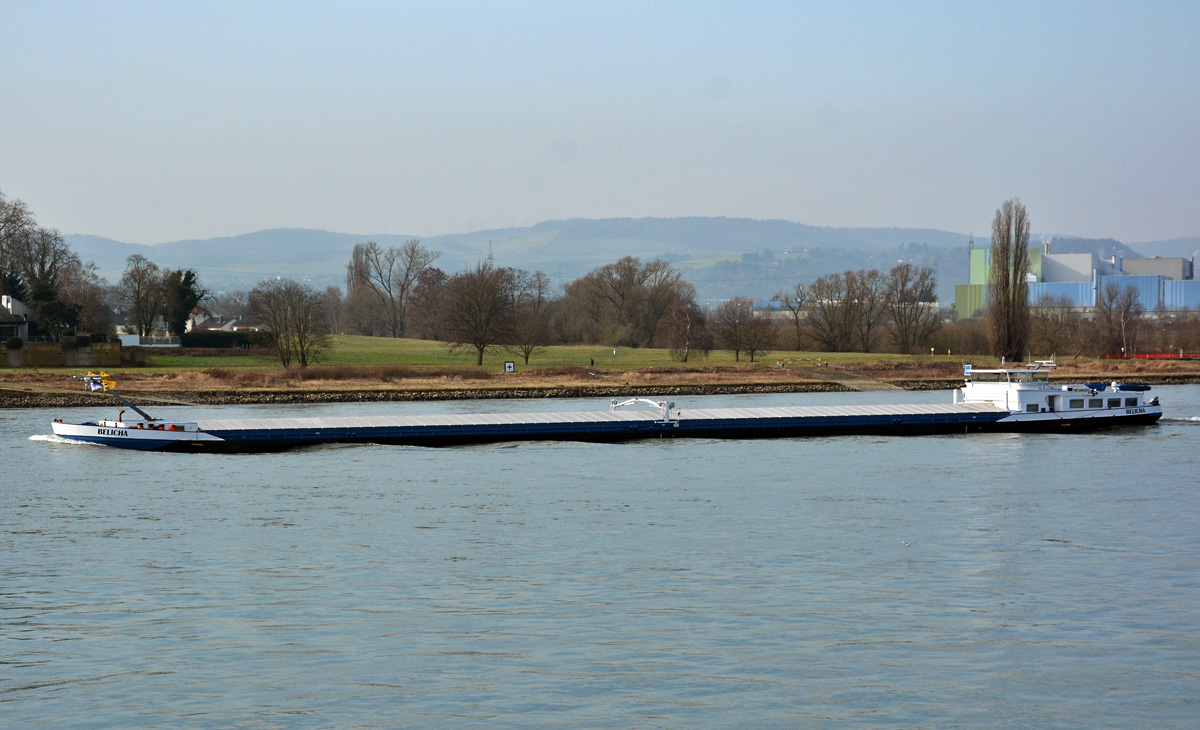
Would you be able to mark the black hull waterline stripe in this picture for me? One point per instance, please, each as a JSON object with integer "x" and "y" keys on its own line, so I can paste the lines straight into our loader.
{"x": 268, "y": 440}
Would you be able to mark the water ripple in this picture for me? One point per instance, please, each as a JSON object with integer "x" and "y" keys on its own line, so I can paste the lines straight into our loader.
{"x": 677, "y": 584}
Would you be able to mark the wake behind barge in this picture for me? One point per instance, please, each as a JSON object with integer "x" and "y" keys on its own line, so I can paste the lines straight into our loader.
{"x": 1016, "y": 400}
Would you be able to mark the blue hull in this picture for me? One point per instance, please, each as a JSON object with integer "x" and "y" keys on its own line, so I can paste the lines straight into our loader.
{"x": 266, "y": 440}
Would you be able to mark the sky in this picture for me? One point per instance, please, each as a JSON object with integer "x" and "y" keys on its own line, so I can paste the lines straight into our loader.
{"x": 159, "y": 121}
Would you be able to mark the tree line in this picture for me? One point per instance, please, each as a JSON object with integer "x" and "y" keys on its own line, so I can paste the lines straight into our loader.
{"x": 151, "y": 295}
{"x": 865, "y": 310}
{"x": 400, "y": 291}
{"x": 38, "y": 269}
{"x": 1117, "y": 324}
{"x": 66, "y": 296}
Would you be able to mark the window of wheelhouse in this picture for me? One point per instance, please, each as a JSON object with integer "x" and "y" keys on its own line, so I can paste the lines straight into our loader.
{"x": 1075, "y": 403}
{"x": 1114, "y": 402}
{"x": 1131, "y": 402}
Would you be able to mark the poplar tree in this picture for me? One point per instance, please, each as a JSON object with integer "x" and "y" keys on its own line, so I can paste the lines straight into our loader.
{"x": 1008, "y": 293}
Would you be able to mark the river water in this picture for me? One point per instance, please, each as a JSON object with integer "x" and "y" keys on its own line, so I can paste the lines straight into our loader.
{"x": 1050, "y": 580}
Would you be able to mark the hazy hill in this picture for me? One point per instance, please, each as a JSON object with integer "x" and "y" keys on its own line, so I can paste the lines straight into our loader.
{"x": 708, "y": 235}
{"x": 236, "y": 261}
{"x": 1177, "y": 247}
{"x": 722, "y": 256}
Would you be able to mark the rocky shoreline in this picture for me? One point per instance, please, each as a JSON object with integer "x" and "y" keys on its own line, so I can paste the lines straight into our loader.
{"x": 16, "y": 397}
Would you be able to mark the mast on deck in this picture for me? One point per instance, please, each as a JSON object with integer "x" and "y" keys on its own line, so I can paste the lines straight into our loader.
{"x": 100, "y": 381}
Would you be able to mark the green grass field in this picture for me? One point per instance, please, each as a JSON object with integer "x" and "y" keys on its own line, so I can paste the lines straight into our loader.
{"x": 366, "y": 351}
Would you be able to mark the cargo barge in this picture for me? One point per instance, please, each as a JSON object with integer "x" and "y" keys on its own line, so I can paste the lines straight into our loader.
{"x": 1014, "y": 399}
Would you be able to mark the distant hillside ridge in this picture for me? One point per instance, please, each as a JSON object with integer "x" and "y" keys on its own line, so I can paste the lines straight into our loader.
{"x": 237, "y": 262}
{"x": 573, "y": 246}
{"x": 743, "y": 235}
{"x": 1184, "y": 248}
{"x": 723, "y": 257}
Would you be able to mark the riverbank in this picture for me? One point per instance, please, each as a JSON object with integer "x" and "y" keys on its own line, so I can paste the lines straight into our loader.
{"x": 11, "y": 398}
{"x": 46, "y": 389}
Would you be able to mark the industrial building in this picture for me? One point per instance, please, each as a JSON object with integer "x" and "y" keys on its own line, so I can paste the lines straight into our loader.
{"x": 1160, "y": 283}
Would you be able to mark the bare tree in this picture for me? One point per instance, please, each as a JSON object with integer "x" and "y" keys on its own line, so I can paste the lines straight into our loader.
{"x": 81, "y": 287}
{"x": 331, "y": 299}
{"x": 761, "y": 337}
{"x": 230, "y": 304}
{"x": 360, "y": 312}
{"x": 477, "y": 304}
{"x": 528, "y": 331}
{"x": 1056, "y": 327}
{"x": 388, "y": 276}
{"x": 295, "y": 315}
{"x": 528, "y": 288}
{"x": 741, "y": 331}
{"x": 39, "y": 256}
{"x": 1008, "y": 292}
{"x": 729, "y": 320}
{"x": 830, "y": 316}
{"x": 14, "y": 217}
{"x": 528, "y": 325}
{"x": 425, "y": 312}
{"x": 624, "y": 302}
{"x": 665, "y": 288}
{"x": 687, "y": 331}
{"x": 864, "y": 297}
{"x": 16, "y": 222}
{"x": 1119, "y": 315}
{"x": 414, "y": 260}
{"x": 141, "y": 292}
{"x": 1189, "y": 335}
{"x": 795, "y": 302}
{"x": 616, "y": 291}
{"x": 910, "y": 304}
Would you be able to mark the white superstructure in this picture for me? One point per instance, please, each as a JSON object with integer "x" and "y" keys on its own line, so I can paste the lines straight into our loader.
{"x": 1028, "y": 394}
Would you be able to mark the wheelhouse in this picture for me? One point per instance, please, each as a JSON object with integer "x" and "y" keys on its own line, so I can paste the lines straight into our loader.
{"x": 1029, "y": 390}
